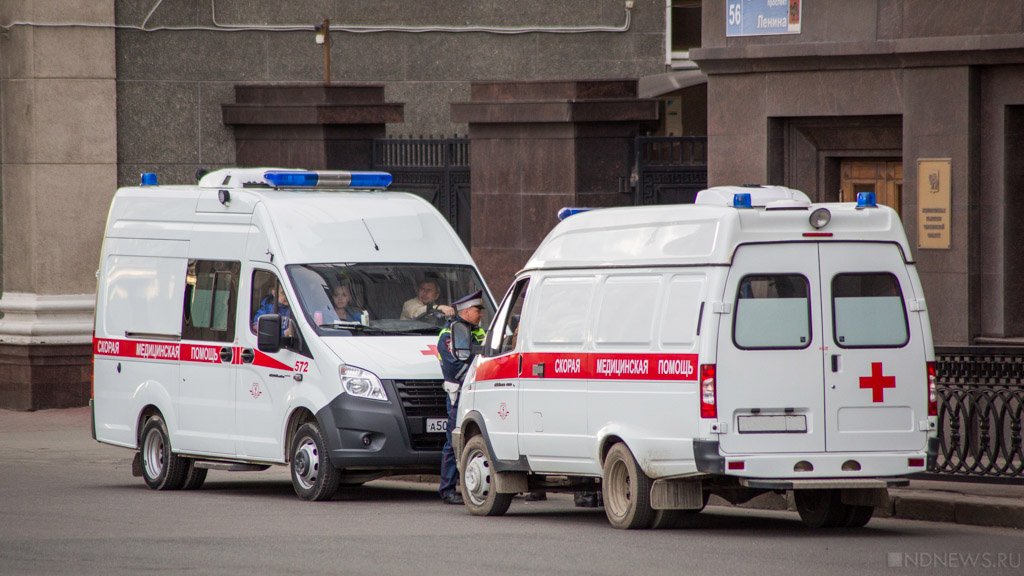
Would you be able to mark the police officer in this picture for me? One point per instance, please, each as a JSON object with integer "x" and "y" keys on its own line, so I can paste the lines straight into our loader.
{"x": 468, "y": 312}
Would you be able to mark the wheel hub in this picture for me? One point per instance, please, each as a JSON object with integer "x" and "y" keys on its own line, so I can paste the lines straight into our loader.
{"x": 306, "y": 464}
{"x": 478, "y": 478}
{"x": 153, "y": 453}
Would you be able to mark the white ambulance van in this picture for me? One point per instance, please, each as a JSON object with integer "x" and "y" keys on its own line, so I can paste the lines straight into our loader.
{"x": 269, "y": 316}
{"x": 750, "y": 342}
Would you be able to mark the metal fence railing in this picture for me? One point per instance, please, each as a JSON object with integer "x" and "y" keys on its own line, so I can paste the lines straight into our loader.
{"x": 981, "y": 412}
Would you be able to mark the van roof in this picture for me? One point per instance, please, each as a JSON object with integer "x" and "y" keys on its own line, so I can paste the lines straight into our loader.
{"x": 708, "y": 231}
{"x": 309, "y": 226}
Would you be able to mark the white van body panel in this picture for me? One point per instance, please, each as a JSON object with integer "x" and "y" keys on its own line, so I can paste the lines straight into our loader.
{"x": 226, "y": 399}
{"x": 620, "y": 300}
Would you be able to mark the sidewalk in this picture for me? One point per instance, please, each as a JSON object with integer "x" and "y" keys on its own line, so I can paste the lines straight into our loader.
{"x": 61, "y": 433}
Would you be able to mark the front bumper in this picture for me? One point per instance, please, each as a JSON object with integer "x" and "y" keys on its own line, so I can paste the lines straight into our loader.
{"x": 365, "y": 434}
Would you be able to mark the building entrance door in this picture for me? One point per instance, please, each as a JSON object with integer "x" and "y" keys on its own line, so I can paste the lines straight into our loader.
{"x": 883, "y": 177}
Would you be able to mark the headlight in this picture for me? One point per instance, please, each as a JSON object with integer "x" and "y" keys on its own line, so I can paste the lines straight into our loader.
{"x": 359, "y": 382}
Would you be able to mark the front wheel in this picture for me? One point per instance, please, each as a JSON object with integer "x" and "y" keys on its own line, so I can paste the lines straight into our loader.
{"x": 162, "y": 469}
{"x": 478, "y": 478}
{"x": 313, "y": 476}
{"x": 627, "y": 491}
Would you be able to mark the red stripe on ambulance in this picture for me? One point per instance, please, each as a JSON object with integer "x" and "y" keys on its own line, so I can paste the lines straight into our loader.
{"x": 593, "y": 366}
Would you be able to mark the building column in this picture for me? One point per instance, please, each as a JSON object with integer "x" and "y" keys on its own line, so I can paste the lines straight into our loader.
{"x": 538, "y": 146}
{"x": 309, "y": 125}
{"x": 58, "y": 172}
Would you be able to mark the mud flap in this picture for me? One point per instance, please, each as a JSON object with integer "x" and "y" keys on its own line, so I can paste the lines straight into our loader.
{"x": 137, "y": 464}
{"x": 677, "y": 495}
{"x": 510, "y": 482}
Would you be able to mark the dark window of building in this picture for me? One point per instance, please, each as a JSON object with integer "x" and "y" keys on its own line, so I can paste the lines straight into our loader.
{"x": 685, "y": 25}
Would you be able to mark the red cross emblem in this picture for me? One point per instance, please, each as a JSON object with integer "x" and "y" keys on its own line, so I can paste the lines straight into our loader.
{"x": 430, "y": 351}
{"x": 876, "y": 382}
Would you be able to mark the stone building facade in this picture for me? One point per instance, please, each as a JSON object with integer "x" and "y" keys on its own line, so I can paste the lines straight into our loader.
{"x": 94, "y": 92}
{"x": 872, "y": 95}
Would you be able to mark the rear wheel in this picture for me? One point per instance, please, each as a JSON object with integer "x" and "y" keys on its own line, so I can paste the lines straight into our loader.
{"x": 627, "y": 491}
{"x": 478, "y": 477}
{"x": 313, "y": 475}
{"x": 195, "y": 477}
{"x": 821, "y": 508}
{"x": 858, "y": 516}
{"x": 161, "y": 468}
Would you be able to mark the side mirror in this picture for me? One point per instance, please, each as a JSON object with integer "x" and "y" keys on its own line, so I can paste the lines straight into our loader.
{"x": 268, "y": 333}
{"x": 462, "y": 342}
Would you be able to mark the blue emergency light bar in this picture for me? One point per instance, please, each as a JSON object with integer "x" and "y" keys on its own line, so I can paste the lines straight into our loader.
{"x": 568, "y": 211}
{"x": 741, "y": 200}
{"x": 322, "y": 179}
{"x": 866, "y": 200}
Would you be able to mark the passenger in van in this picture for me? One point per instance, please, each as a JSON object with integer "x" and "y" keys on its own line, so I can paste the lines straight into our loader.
{"x": 470, "y": 310}
{"x": 276, "y": 303}
{"x": 341, "y": 298}
{"x": 427, "y": 293}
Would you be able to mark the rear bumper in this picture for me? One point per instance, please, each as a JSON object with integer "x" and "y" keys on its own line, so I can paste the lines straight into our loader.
{"x": 826, "y": 465}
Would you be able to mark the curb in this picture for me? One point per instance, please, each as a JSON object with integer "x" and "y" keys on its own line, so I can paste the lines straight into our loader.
{"x": 903, "y": 505}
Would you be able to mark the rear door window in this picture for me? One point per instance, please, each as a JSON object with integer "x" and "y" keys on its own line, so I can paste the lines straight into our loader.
{"x": 772, "y": 312}
{"x": 868, "y": 311}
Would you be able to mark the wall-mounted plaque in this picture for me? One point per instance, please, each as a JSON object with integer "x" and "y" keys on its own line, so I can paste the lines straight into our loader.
{"x": 762, "y": 17}
{"x": 933, "y": 203}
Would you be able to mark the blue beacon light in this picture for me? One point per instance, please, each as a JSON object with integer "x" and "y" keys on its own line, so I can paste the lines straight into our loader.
{"x": 327, "y": 179}
{"x": 149, "y": 179}
{"x": 866, "y": 200}
{"x": 569, "y": 211}
{"x": 741, "y": 200}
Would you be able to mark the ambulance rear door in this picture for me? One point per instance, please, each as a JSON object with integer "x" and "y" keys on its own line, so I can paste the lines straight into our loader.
{"x": 770, "y": 371}
{"x": 875, "y": 373}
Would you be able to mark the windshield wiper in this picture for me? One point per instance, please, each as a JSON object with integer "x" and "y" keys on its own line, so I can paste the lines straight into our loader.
{"x": 354, "y": 327}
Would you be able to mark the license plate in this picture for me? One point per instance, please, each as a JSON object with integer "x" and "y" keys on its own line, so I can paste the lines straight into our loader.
{"x": 437, "y": 425}
{"x": 772, "y": 424}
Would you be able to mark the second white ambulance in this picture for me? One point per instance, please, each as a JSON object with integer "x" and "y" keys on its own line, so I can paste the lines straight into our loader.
{"x": 751, "y": 342}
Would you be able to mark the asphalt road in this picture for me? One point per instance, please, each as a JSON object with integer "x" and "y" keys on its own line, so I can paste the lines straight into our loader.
{"x": 69, "y": 505}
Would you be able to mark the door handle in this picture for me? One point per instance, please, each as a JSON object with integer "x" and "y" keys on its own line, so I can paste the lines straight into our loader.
{"x": 248, "y": 355}
{"x": 835, "y": 362}
{"x": 225, "y": 355}
{"x": 538, "y": 370}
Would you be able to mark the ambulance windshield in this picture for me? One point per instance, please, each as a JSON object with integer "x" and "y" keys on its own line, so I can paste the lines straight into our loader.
{"x": 383, "y": 299}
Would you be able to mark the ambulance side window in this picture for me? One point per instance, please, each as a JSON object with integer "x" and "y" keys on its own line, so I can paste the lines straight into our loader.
{"x": 505, "y": 334}
{"x": 211, "y": 294}
{"x": 772, "y": 312}
{"x": 559, "y": 318}
{"x": 868, "y": 311}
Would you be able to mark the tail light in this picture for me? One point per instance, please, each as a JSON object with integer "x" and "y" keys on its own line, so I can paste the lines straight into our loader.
{"x": 933, "y": 404}
{"x": 708, "y": 393}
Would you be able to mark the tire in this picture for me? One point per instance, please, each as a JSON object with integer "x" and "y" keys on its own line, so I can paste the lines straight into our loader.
{"x": 161, "y": 468}
{"x": 194, "y": 477}
{"x": 314, "y": 477}
{"x": 475, "y": 476}
{"x": 821, "y": 508}
{"x": 627, "y": 490}
{"x": 858, "y": 516}
{"x": 666, "y": 519}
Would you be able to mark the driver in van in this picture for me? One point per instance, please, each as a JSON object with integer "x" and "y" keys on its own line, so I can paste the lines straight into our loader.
{"x": 427, "y": 293}
{"x": 276, "y": 303}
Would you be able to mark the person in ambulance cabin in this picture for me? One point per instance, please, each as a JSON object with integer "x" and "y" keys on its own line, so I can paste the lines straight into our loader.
{"x": 427, "y": 293}
{"x": 341, "y": 298}
{"x": 468, "y": 309}
{"x": 276, "y": 303}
